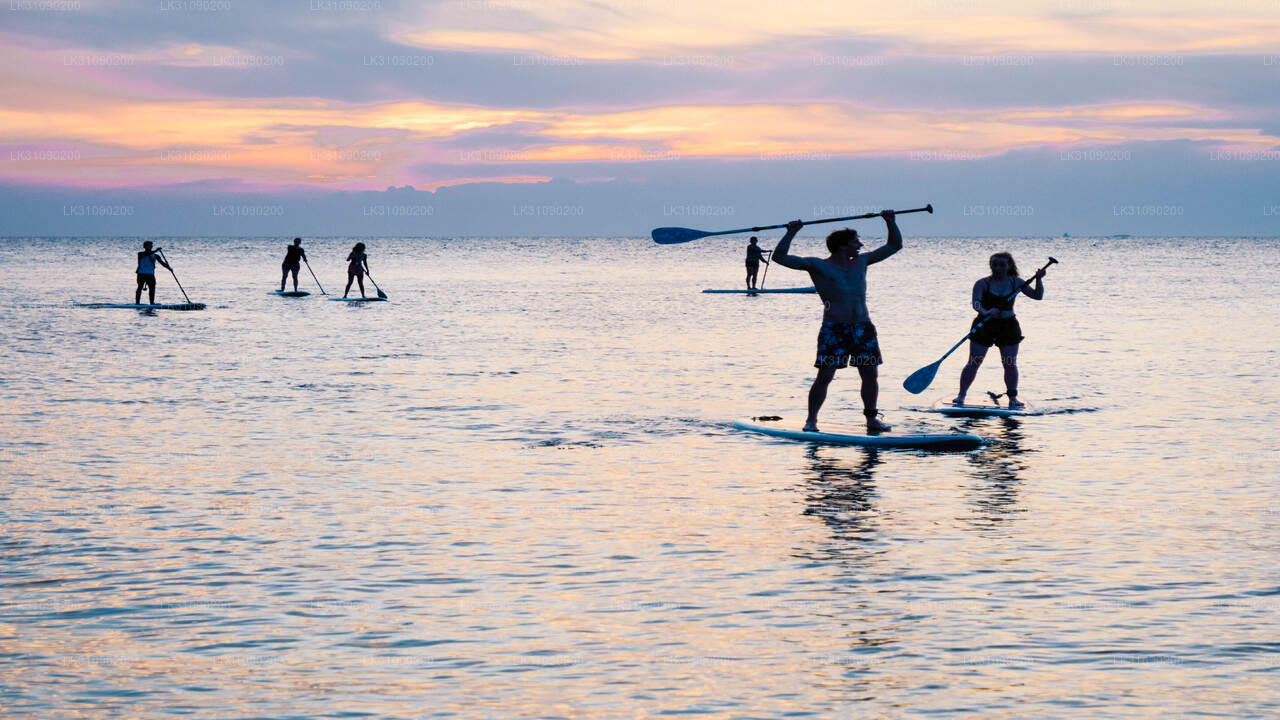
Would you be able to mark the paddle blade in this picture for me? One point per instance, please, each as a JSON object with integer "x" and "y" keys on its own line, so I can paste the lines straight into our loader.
{"x": 382, "y": 294}
{"x": 676, "y": 235}
{"x": 920, "y": 379}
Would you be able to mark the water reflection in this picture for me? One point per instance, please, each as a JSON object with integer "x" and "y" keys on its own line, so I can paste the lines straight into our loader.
{"x": 840, "y": 490}
{"x": 997, "y": 471}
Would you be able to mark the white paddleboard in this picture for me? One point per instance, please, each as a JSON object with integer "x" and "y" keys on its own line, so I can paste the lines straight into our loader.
{"x": 941, "y": 441}
{"x": 176, "y": 306}
{"x": 375, "y": 298}
{"x": 744, "y": 291}
{"x": 290, "y": 293}
{"x": 979, "y": 411}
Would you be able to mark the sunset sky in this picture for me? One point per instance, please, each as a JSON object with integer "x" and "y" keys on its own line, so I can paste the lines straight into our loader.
{"x": 669, "y": 104}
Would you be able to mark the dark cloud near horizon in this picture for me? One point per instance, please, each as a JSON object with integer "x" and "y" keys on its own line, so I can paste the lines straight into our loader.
{"x": 1169, "y": 188}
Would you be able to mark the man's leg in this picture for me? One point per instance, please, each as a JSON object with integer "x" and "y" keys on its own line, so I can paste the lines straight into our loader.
{"x": 870, "y": 395}
{"x": 137, "y": 294}
{"x": 970, "y": 371}
{"x": 817, "y": 396}
{"x": 284, "y": 273}
{"x": 294, "y": 270}
{"x": 151, "y": 290}
{"x": 1009, "y": 358}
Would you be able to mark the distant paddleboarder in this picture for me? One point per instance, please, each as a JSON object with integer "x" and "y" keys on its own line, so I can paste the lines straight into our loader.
{"x": 991, "y": 298}
{"x": 847, "y": 336}
{"x": 754, "y": 256}
{"x": 293, "y": 257}
{"x": 357, "y": 266}
{"x": 147, "y": 260}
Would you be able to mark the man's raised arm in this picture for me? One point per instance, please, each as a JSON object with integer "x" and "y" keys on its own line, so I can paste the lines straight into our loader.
{"x": 893, "y": 245}
{"x": 782, "y": 251}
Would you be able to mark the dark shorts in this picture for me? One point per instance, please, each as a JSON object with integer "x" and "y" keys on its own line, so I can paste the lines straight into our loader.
{"x": 290, "y": 267}
{"x": 1001, "y": 332}
{"x": 844, "y": 344}
{"x": 753, "y": 266}
{"x": 146, "y": 280}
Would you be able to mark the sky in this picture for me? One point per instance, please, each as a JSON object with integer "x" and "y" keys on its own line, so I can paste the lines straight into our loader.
{"x": 537, "y": 117}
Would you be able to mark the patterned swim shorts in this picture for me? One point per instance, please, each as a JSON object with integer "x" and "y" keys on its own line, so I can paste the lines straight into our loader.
{"x": 844, "y": 344}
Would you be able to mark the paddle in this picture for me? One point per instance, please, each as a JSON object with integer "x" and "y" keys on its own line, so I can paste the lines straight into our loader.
{"x": 375, "y": 285}
{"x": 313, "y": 277}
{"x": 175, "y": 276}
{"x": 675, "y": 235}
{"x": 920, "y": 379}
{"x": 767, "y": 263}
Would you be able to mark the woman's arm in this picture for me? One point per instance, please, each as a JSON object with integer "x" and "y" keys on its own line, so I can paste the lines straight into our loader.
{"x": 978, "y": 288}
{"x": 1036, "y": 292}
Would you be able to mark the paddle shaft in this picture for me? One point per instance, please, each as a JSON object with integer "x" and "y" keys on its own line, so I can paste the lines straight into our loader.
{"x": 767, "y": 263}
{"x": 984, "y": 320}
{"x": 175, "y": 276}
{"x": 927, "y": 208}
{"x": 375, "y": 283}
{"x": 313, "y": 277}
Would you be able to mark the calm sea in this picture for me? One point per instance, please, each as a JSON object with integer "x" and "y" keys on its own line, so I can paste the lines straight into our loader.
{"x": 513, "y": 490}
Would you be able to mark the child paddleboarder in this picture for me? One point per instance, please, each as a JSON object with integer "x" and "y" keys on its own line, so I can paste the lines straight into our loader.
{"x": 847, "y": 336}
{"x": 993, "y": 298}
{"x": 147, "y": 260}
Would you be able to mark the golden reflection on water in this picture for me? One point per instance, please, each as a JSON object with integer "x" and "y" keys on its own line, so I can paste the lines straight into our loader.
{"x": 527, "y": 508}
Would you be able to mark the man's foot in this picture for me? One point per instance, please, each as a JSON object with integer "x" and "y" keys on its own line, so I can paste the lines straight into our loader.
{"x": 1016, "y": 404}
{"x": 957, "y": 400}
{"x": 811, "y": 427}
{"x": 874, "y": 426}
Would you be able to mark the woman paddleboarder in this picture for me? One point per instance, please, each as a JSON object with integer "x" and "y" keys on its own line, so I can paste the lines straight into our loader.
{"x": 293, "y": 257}
{"x": 993, "y": 298}
{"x": 357, "y": 266}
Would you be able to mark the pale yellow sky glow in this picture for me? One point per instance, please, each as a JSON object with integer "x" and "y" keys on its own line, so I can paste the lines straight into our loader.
{"x": 654, "y": 30}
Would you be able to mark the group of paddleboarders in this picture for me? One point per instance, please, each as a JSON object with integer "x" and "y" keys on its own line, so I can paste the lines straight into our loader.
{"x": 294, "y": 256}
{"x": 848, "y": 337}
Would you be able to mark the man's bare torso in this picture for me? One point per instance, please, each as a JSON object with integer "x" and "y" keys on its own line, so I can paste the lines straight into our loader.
{"x": 843, "y": 289}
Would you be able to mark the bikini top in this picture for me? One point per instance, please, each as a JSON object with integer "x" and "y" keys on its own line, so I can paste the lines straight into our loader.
{"x": 991, "y": 301}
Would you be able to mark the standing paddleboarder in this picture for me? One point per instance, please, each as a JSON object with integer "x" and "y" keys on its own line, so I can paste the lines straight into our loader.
{"x": 847, "y": 335}
{"x": 293, "y": 257}
{"x": 357, "y": 266}
{"x": 993, "y": 298}
{"x": 147, "y": 260}
{"x": 754, "y": 256}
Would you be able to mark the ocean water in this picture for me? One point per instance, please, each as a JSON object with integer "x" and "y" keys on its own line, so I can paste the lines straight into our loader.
{"x": 513, "y": 490}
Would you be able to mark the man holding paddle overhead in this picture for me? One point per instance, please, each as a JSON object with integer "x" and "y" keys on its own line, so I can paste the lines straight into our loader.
{"x": 847, "y": 335}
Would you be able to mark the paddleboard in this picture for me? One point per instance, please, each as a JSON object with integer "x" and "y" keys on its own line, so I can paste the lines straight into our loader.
{"x": 979, "y": 411}
{"x": 375, "y": 298}
{"x": 178, "y": 306}
{"x": 290, "y": 293}
{"x": 744, "y": 291}
{"x": 942, "y": 441}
